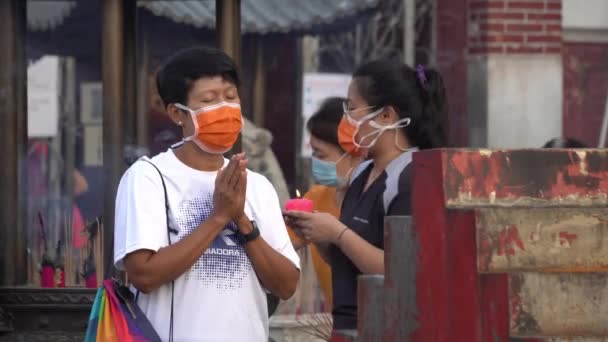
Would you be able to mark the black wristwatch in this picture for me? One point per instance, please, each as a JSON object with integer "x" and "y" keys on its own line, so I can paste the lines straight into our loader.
{"x": 244, "y": 238}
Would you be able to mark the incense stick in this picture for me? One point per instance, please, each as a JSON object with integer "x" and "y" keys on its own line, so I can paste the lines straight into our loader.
{"x": 98, "y": 253}
{"x": 68, "y": 252}
{"x": 42, "y": 250}
{"x": 82, "y": 257}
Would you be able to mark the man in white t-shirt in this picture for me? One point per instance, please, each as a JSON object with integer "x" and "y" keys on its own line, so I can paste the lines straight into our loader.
{"x": 228, "y": 242}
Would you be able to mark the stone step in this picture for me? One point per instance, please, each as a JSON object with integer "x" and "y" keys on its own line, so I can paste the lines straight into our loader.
{"x": 370, "y": 308}
{"x": 400, "y": 271}
{"x": 344, "y": 336}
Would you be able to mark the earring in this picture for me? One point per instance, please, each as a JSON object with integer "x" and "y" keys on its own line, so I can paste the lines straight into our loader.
{"x": 179, "y": 123}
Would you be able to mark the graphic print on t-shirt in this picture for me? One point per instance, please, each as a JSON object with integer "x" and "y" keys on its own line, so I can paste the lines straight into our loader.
{"x": 225, "y": 263}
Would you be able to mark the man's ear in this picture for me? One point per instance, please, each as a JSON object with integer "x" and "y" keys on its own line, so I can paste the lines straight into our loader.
{"x": 175, "y": 114}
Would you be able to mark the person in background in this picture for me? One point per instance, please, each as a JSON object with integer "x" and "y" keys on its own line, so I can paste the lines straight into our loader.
{"x": 564, "y": 143}
{"x": 40, "y": 155}
{"x": 331, "y": 166}
{"x": 392, "y": 111}
{"x": 257, "y": 145}
{"x": 204, "y": 253}
{"x": 81, "y": 186}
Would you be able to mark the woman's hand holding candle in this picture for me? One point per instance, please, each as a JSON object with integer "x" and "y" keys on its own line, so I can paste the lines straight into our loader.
{"x": 299, "y": 204}
{"x": 316, "y": 227}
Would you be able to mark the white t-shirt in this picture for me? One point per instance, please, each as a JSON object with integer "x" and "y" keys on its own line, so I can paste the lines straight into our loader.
{"x": 220, "y": 298}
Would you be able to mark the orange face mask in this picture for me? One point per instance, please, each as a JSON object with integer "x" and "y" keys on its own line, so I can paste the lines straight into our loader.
{"x": 349, "y": 127}
{"x": 346, "y": 138}
{"x": 216, "y": 127}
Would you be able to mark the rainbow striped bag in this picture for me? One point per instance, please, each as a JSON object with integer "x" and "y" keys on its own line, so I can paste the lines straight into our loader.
{"x": 115, "y": 316}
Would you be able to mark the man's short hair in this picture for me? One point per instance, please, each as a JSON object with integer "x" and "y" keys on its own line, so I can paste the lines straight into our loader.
{"x": 177, "y": 74}
{"x": 324, "y": 122}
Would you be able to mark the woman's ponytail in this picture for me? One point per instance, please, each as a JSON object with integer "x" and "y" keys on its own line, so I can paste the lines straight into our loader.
{"x": 434, "y": 119}
{"x": 418, "y": 94}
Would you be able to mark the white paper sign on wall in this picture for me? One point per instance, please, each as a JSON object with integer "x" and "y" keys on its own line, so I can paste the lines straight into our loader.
{"x": 93, "y": 145}
{"x": 43, "y": 87}
{"x": 316, "y": 88}
{"x": 91, "y": 103}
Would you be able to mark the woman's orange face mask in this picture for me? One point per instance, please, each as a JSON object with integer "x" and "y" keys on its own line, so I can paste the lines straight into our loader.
{"x": 216, "y": 127}
{"x": 349, "y": 128}
{"x": 346, "y": 138}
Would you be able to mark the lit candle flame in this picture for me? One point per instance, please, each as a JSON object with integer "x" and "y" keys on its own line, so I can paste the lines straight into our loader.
{"x": 298, "y": 193}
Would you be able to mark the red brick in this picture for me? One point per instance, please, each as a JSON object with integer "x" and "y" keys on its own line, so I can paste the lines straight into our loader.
{"x": 553, "y": 28}
{"x": 503, "y": 38}
{"x": 543, "y": 39}
{"x": 554, "y": 6}
{"x": 526, "y": 5}
{"x": 492, "y": 27}
{"x": 501, "y": 16}
{"x": 486, "y": 49}
{"x": 487, "y": 5}
{"x": 544, "y": 16}
{"x": 524, "y": 49}
{"x": 553, "y": 49}
{"x": 524, "y": 27}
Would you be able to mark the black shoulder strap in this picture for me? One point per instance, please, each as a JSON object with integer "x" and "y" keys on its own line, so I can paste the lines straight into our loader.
{"x": 162, "y": 179}
{"x": 169, "y": 231}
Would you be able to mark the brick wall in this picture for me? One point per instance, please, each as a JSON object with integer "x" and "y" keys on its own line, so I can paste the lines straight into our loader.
{"x": 514, "y": 26}
{"x": 585, "y": 90}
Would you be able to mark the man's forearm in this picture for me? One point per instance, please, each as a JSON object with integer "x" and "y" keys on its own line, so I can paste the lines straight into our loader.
{"x": 276, "y": 273}
{"x": 148, "y": 270}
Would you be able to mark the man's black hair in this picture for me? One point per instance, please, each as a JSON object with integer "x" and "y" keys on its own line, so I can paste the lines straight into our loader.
{"x": 177, "y": 74}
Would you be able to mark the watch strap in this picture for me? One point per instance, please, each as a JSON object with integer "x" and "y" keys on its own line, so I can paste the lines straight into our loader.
{"x": 254, "y": 234}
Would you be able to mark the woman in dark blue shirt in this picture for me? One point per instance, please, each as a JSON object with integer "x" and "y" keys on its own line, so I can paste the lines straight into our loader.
{"x": 392, "y": 111}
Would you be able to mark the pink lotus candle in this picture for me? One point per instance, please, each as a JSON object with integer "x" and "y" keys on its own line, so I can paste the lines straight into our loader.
{"x": 299, "y": 204}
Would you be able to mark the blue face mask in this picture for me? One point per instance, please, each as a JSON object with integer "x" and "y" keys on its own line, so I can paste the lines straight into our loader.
{"x": 324, "y": 172}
